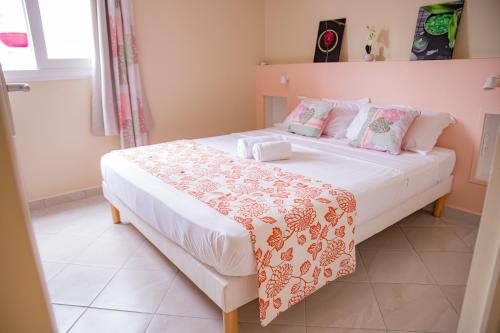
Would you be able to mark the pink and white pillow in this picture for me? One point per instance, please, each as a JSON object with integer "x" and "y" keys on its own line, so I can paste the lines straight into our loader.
{"x": 382, "y": 128}
{"x": 310, "y": 118}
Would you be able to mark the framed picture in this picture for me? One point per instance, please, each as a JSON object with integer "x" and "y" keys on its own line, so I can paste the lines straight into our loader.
{"x": 436, "y": 31}
{"x": 329, "y": 40}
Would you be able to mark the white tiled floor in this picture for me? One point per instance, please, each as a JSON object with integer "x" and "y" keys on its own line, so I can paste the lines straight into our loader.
{"x": 107, "y": 278}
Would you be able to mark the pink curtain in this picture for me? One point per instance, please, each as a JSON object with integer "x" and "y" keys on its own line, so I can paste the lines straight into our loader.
{"x": 119, "y": 104}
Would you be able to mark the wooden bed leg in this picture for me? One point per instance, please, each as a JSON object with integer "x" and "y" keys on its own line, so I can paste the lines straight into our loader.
{"x": 230, "y": 321}
{"x": 439, "y": 206}
{"x": 115, "y": 214}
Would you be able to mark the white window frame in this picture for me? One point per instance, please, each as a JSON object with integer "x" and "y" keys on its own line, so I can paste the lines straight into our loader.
{"x": 47, "y": 68}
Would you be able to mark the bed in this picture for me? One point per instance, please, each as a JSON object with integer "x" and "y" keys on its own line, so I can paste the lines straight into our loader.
{"x": 218, "y": 256}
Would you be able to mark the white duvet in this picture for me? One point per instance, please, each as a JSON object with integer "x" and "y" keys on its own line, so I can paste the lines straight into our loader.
{"x": 379, "y": 181}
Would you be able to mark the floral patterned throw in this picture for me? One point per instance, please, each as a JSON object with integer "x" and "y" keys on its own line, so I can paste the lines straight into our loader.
{"x": 302, "y": 229}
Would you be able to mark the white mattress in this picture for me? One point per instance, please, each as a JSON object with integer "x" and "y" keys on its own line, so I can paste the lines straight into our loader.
{"x": 379, "y": 181}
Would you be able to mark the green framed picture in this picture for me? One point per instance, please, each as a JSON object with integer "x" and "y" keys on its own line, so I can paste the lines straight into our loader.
{"x": 436, "y": 31}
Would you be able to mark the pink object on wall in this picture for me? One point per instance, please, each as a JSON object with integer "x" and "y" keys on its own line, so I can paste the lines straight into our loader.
{"x": 14, "y": 39}
{"x": 453, "y": 86}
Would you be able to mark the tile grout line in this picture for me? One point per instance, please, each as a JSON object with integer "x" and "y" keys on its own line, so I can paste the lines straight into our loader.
{"x": 454, "y": 227}
{"x": 373, "y": 292}
{"x": 77, "y": 319}
{"x": 102, "y": 308}
{"x": 431, "y": 274}
{"x": 363, "y": 329}
{"x": 52, "y": 277}
{"x": 185, "y": 316}
{"x": 471, "y": 248}
{"x": 175, "y": 274}
{"x": 107, "y": 284}
{"x": 71, "y": 261}
{"x": 413, "y": 249}
{"x": 157, "y": 314}
{"x": 118, "y": 269}
{"x": 168, "y": 289}
{"x": 99, "y": 293}
{"x": 79, "y": 252}
{"x": 407, "y": 251}
{"x": 149, "y": 322}
{"x": 161, "y": 301}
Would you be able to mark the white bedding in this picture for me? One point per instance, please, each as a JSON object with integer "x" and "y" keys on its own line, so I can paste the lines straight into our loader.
{"x": 380, "y": 181}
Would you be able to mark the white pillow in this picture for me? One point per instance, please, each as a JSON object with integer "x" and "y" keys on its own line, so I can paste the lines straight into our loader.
{"x": 358, "y": 121}
{"x": 354, "y": 101}
{"x": 342, "y": 115}
{"x": 425, "y": 131}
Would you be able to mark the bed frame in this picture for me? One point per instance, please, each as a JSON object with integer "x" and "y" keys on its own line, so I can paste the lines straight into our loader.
{"x": 232, "y": 292}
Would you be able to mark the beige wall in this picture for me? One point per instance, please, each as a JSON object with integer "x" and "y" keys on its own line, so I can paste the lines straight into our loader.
{"x": 292, "y": 26}
{"x": 198, "y": 63}
{"x": 57, "y": 152}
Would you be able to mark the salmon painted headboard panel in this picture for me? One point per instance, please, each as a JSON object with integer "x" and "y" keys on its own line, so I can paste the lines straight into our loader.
{"x": 453, "y": 86}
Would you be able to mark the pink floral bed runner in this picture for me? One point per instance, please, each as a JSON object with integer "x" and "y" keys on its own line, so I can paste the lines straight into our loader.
{"x": 302, "y": 229}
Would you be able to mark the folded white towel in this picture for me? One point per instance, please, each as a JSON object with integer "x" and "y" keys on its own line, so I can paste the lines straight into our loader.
{"x": 272, "y": 151}
{"x": 245, "y": 145}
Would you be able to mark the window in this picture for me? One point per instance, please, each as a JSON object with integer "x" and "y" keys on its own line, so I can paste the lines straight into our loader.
{"x": 45, "y": 39}
{"x": 16, "y": 50}
{"x": 67, "y": 28}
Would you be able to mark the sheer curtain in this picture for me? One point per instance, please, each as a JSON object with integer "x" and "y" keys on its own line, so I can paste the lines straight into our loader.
{"x": 119, "y": 106}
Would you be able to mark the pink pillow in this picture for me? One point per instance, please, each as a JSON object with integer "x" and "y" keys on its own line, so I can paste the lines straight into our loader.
{"x": 383, "y": 128}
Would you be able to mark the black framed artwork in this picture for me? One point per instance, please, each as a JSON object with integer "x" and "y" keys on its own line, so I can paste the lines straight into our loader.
{"x": 329, "y": 40}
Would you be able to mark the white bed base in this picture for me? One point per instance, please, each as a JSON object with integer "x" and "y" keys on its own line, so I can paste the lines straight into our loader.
{"x": 232, "y": 292}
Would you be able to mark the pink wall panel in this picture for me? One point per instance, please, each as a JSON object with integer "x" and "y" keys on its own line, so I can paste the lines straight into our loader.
{"x": 453, "y": 86}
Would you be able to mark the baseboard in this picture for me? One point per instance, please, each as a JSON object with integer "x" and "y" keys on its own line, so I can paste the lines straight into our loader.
{"x": 63, "y": 198}
{"x": 455, "y": 213}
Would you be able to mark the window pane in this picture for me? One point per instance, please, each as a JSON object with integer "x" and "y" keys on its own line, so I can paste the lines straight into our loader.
{"x": 67, "y": 27}
{"x": 15, "y": 43}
